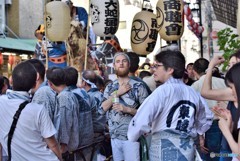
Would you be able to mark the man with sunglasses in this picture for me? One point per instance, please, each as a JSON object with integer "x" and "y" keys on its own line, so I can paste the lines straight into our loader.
{"x": 174, "y": 113}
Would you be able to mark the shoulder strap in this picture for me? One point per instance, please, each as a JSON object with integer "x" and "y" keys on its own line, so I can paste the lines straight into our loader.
{"x": 13, "y": 126}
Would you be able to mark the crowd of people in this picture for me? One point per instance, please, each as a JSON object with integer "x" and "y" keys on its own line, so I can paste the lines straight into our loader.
{"x": 162, "y": 111}
{"x": 173, "y": 108}
{"x": 49, "y": 115}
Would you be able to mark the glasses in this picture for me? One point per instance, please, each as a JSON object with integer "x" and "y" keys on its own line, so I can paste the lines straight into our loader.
{"x": 155, "y": 66}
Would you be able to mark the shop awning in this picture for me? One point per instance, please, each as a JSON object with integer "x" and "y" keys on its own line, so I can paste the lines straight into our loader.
{"x": 18, "y": 45}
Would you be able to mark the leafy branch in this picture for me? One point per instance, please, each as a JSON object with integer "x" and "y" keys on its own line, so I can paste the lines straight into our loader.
{"x": 228, "y": 42}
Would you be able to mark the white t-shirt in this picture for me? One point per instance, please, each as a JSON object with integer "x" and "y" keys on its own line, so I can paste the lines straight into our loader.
{"x": 34, "y": 124}
{"x": 217, "y": 83}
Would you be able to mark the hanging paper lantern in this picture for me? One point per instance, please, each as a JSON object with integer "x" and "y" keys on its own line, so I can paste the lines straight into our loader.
{"x": 214, "y": 35}
{"x": 144, "y": 32}
{"x": 191, "y": 22}
{"x": 173, "y": 25}
{"x": 189, "y": 17}
{"x": 190, "y": 27}
{"x": 57, "y": 21}
{"x": 195, "y": 26}
{"x": 11, "y": 59}
{"x": 187, "y": 10}
{"x": 104, "y": 17}
{"x": 1, "y": 59}
{"x": 200, "y": 29}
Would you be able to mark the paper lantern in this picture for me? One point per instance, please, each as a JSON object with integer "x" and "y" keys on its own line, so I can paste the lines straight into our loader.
{"x": 189, "y": 27}
{"x": 195, "y": 25}
{"x": 57, "y": 21}
{"x": 214, "y": 35}
{"x": 104, "y": 17}
{"x": 173, "y": 14}
{"x": 187, "y": 10}
{"x": 191, "y": 22}
{"x": 11, "y": 59}
{"x": 200, "y": 29}
{"x": 144, "y": 32}
{"x": 189, "y": 17}
{"x": 1, "y": 59}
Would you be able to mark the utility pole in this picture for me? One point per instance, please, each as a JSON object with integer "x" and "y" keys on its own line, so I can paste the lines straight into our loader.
{"x": 200, "y": 24}
{"x": 209, "y": 17}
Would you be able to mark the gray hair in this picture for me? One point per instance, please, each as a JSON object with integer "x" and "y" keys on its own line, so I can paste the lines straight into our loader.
{"x": 121, "y": 53}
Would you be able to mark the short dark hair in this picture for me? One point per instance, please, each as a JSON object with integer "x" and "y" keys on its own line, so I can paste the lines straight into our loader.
{"x": 99, "y": 82}
{"x": 1, "y": 84}
{"x": 172, "y": 59}
{"x": 89, "y": 75}
{"x": 189, "y": 64}
{"x": 24, "y": 77}
{"x": 134, "y": 59}
{"x": 6, "y": 82}
{"x": 56, "y": 75}
{"x": 144, "y": 73}
{"x": 71, "y": 75}
{"x": 200, "y": 65}
{"x": 39, "y": 66}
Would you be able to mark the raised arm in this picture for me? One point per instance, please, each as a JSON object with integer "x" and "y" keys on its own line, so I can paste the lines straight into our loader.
{"x": 215, "y": 94}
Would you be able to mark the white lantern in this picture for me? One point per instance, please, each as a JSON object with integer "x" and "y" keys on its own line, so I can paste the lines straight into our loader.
{"x": 173, "y": 14}
{"x": 104, "y": 17}
{"x": 187, "y": 10}
{"x": 144, "y": 32}
{"x": 57, "y": 21}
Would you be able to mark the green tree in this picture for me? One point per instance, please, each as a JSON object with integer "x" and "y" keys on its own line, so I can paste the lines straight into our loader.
{"x": 228, "y": 42}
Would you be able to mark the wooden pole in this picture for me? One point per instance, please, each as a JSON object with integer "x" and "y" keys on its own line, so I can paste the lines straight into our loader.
{"x": 87, "y": 26}
{"x": 45, "y": 27}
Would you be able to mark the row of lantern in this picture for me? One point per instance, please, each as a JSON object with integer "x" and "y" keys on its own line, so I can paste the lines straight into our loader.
{"x": 192, "y": 25}
{"x": 11, "y": 59}
{"x": 168, "y": 22}
{"x": 104, "y": 19}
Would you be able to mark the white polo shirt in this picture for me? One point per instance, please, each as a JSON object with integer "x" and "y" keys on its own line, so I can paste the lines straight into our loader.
{"x": 33, "y": 126}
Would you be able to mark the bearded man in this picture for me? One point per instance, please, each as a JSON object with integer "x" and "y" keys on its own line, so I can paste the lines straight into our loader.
{"x": 131, "y": 95}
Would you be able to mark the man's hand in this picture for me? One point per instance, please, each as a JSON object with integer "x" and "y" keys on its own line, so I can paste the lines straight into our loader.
{"x": 202, "y": 147}
{"x": 123, "y": 89}
{"x": 119, "y": 107}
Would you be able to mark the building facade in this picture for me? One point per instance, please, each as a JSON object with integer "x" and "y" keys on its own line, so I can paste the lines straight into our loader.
{"x": 23, "y": 17}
